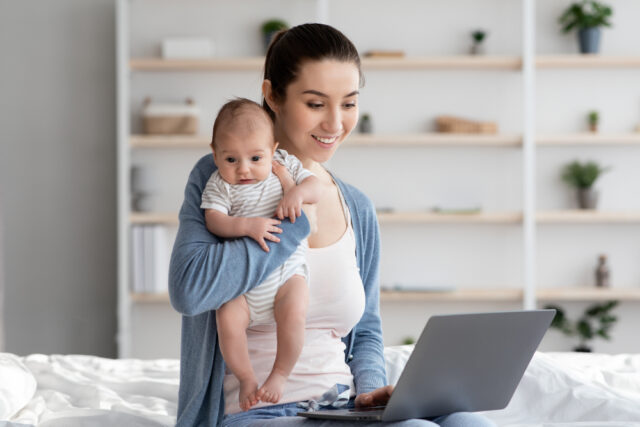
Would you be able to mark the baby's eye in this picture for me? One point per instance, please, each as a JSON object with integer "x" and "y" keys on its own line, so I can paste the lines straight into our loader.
{"x": 314, "y": 105}
{"x": 256, "y": 158}
{"x": 230, "y": 159}
{"x": 350, "y": 105}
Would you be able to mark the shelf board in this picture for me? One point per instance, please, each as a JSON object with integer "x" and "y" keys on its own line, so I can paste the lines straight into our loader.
{"x": 153, "y": 298}
{"x": 587, "y": 61}
{"x": 405, "y": 63}
{"x": 432, "y": 139}
{"x": 412, "y": 140}
{"x": 587, "y": 217}
{"x": 550, "y": 217}
{"x": 166, "y": 218}
{"x": 444, "y": 218}
{"x": 213, "y": 64}
{"x": 170, "y": 141}
{"x": 589, "y": 139}
{"x": 462, "y": 295}
{"x": 588, "y": 294}
{"x": 456, "y": 295}
{"x": 463, "y": 62}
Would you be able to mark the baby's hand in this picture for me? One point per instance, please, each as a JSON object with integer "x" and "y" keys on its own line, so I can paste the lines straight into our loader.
{"x": 259, "y": 229}
{"x": 290, "y": 205}
{"x": 281, "y": 171}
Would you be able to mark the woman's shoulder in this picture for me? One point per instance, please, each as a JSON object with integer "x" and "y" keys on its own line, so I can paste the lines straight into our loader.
{"x": 203, "y": 169}
{"x": 355, "y": 197}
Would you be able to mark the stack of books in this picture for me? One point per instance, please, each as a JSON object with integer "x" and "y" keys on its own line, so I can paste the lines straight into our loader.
{"x": 150, "y": 263}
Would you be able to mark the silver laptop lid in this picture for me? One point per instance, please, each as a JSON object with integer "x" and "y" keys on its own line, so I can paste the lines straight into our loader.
{"x": 467, "y": 362}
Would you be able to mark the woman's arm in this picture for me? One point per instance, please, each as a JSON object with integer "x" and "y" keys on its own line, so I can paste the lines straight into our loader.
{"x": 367, "y": 352}
{"x": 258, "y": 228}
{"x": 206, "y": 272}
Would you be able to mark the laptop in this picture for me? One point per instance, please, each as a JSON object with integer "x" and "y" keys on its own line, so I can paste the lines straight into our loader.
{"x": 461, "y": 363}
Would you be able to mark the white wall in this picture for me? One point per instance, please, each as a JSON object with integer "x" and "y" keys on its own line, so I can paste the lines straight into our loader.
{"x": 58, "y": 175}
{"x": 59, "y": 77}
{"x": 418, "y": 178}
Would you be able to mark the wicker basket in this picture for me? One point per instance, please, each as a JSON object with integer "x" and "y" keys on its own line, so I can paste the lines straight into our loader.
{"x": 450, "y": 124}
{"x": 170, "y": 119}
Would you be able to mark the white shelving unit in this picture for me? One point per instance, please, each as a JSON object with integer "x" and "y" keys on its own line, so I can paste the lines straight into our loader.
{"x": 528, "y": 219}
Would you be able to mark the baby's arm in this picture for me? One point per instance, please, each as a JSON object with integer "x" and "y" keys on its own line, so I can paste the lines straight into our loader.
{"x": 308, "y": 191}
{"x": 258, "y": 228}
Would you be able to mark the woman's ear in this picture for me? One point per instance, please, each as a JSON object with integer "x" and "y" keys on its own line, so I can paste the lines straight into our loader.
{"x": 267, "y": 93}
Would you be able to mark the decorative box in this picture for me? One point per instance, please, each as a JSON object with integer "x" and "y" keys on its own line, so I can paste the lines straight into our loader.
{"x": 450, "y": 124}
{"x": 170, "y": 119}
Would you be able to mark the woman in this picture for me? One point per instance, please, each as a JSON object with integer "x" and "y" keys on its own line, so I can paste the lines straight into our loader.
{"x": 311, "y": 82}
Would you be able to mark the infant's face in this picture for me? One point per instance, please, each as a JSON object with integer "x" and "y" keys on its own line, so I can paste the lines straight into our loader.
{"x": 244, "y": 157}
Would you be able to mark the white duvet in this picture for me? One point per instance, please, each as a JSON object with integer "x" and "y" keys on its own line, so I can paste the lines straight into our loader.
{"x": 557, "y": 390}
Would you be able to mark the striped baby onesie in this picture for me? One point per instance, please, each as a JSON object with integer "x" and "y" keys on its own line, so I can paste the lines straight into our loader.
{"x": 253, "y": 200}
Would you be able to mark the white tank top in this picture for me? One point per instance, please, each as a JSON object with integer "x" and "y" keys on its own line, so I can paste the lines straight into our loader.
{"x": 336, "y": 304}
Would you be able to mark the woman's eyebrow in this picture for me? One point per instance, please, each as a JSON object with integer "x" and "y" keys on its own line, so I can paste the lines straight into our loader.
{"x": 324, "y": 95}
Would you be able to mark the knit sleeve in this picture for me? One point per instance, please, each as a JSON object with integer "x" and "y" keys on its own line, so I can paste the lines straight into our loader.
{"x": 205, "y": 272}
{"x": 367, "y": 352}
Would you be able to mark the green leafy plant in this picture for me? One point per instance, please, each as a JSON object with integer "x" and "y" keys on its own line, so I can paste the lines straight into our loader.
{"x": 408, "y": 341}
{"x": 596, "y": 321}
{"x": 582, "y": 175}
{"x": 274, "y": 25}
{"x": 585, "y": 14}
{"x": 478, "y": 35}
{"x": 594, "y": 117}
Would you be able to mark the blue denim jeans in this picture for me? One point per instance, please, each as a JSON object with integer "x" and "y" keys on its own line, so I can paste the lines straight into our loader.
{"x": 285, "y": 415}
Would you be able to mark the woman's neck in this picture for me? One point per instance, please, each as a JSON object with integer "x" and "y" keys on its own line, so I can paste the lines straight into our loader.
{"x": 308, "y": 163}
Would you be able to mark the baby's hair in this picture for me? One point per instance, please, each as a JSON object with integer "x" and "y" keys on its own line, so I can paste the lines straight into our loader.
{"x": 240, "y": 109}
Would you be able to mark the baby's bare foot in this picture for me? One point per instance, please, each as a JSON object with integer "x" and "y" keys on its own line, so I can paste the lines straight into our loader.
{"x": 271, "y": 390}
{"x": 248, "y": 395}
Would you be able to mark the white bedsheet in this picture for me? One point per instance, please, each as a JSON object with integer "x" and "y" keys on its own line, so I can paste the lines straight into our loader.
{"x": 557, "y": 390}
{"x": 94, "y": 391}
{"x": 564, "y": 389}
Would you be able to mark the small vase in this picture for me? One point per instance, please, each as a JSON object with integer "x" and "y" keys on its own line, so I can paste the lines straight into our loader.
{"x": 587, "y": 198}
{"x": 477, "y": 49}
{"x": 267, "y": 39}
{"x": 582, "y": 348}
{"x": 593, "y": 127}
{"x": 365, "y": 125}
{"x": 589, "y": 39}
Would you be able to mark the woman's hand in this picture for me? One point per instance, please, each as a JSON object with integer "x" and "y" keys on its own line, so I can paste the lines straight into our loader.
{"x": 377, "y": 397}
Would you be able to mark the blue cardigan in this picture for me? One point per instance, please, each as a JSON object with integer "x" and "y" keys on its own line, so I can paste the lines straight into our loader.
{"x": 206, "y": 272}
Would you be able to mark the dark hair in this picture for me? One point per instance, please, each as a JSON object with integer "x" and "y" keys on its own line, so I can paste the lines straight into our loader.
{"x": 290, "y": 48}
{"x": 235, "y": 109}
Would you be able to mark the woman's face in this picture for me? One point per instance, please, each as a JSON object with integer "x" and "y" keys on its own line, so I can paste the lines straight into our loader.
{"x": 319, "y": 111}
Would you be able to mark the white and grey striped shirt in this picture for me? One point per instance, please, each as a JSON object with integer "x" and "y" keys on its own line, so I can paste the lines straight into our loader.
{"x": 260, "y": 199}
{"x": 251, "y": 200}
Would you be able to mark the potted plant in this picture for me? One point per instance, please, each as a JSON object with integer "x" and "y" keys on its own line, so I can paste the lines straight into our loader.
{"x": 587, "y": 17}
{"x": 365, "y": 125}
{"x": 582, "y": 176}
{"x": 270, "y": 28}
{"x": 478, "y": 37}
{"x": 593, "y": 119}
{"x": 596, "y": 321}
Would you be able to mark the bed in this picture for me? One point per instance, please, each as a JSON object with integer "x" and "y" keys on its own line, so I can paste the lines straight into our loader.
{"x": 557, "y": 390}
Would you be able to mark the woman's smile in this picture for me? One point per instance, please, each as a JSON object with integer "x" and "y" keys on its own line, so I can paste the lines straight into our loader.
{"x": 326, "y": 141}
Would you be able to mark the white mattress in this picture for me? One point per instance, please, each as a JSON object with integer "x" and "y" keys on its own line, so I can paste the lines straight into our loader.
{"x": 557, "y": 390}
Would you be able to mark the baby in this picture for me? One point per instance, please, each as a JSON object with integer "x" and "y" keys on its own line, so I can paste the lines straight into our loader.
{"x": 240, "y": 199}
